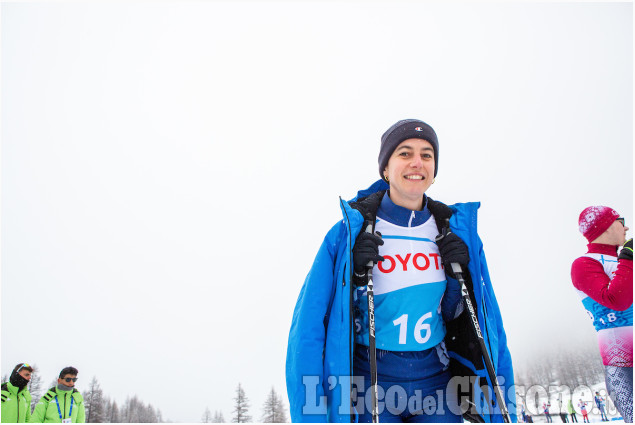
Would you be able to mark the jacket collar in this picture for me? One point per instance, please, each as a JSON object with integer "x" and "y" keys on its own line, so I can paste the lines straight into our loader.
{"x": 395, "y": 214}
{"x": 61, "y": 391}
{"x": 600, "y": 248}
{"x": 367, "y": 202}
{"x": 12, "y": 388}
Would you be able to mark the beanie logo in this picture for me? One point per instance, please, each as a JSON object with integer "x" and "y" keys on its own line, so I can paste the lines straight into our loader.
{"x": 418, "y": 128}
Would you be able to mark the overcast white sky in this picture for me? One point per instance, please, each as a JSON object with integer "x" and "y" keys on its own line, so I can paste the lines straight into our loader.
{"x": 169, "y": 170}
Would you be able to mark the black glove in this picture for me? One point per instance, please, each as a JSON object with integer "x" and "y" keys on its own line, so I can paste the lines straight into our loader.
{"x": 627, "y": 251}
{"x": 452, "y": 250}
{"x": 366, "y": 249}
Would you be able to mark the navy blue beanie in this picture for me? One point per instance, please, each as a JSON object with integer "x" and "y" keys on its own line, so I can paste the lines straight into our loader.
{"x": 404, "y": 130}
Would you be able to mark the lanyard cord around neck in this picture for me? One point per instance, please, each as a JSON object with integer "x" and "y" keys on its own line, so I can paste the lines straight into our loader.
{"x": 59, "y": 411}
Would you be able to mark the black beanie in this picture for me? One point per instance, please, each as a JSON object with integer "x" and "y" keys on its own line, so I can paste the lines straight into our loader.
{"x": 404, "y": 130}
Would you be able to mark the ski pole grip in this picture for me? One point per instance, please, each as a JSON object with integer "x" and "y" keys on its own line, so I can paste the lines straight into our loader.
{"x": 369, "y": 229}
{"x": 446, "y": 229}
{"x": 456, "y": 268}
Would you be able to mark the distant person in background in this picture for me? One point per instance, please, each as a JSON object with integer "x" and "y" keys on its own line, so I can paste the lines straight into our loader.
{"x": 522, "y": 413}
{"x": 525, "y": 417}
{"x": 599, "y": 402}
{"x": 585, "y": 414}
{"x": 563, "y": 413}
{"x": 545, "y": 409}
{"x": 563, "y": 417}
{"x": 571, "y": 411}
{"x": 16, "y": 399}
{"x": 604, "y": 281}
{"x": 62, "y": 403}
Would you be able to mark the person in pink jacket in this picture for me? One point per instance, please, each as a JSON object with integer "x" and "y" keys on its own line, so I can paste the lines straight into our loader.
{"x": 585, "y": 414}
{"x": 604, "y": 282}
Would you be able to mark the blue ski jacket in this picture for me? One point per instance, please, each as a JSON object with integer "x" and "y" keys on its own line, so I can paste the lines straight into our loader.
{"x": 321, "y": 339}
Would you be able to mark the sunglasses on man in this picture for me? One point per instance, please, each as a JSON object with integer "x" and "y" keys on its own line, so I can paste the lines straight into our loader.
{"x": 70, "y": 379}
{"x": 621, "y": 220}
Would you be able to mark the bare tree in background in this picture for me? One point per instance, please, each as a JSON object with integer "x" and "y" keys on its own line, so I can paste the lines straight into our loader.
{"x": 571, "y": 366}
{"x": 107, "y": 409}
{"x": 35, "y": 387}
{"x": 273, "y": 410}
{"x": 218, "y": 417}
{"x": 207, "y": 416}
{"x": 241, "y": 408}
{"x": 112, "y": 412}
{"x": 95, "y": 403}
{"x": 135, "y": 411}
{"x": 115, "y": 415}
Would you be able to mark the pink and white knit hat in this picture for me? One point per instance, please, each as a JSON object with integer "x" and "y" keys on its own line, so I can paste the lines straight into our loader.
{"x": 594, "y": 221}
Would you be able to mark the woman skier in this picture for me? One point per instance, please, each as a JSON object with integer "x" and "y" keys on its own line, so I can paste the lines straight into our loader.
{"x": 429, "y": 365}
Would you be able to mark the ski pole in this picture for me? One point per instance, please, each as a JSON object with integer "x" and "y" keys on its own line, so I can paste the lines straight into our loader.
{"x": 458, "y": 272}
{"x": 372, "y": 351}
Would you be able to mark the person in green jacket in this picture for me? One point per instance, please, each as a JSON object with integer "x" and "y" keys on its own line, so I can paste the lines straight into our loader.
{"x": 16, "y": 399}
{"x": 62, "y": 403}
{"x": 571, "y": 410}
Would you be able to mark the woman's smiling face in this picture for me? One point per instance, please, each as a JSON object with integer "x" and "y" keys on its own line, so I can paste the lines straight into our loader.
{"x": 410, "y": 172}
